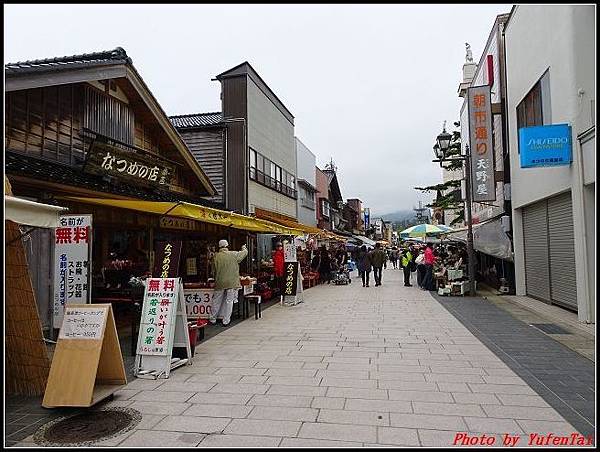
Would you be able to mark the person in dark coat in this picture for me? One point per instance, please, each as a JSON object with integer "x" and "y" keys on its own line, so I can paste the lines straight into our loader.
{"x": 325, "y": 266}
{"x": 421, "y": 268}
{"x": 363, "y": 263}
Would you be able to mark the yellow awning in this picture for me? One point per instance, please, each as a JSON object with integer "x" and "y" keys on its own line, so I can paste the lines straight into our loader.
{"x": 265, "y": 215}
{"x": 194, "y": 212}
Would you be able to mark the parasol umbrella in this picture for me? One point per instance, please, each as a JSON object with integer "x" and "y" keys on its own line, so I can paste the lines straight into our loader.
{"x": 425, "y": 230}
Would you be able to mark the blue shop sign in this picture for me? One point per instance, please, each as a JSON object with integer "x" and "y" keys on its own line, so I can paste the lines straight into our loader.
{"x": 545, "y": 145}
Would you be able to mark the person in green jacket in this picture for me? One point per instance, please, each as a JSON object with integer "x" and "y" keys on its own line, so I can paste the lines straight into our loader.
{"x": 407, "y": 259}
{"x": 226, "y": 268}
{"x": 378, "y": 258}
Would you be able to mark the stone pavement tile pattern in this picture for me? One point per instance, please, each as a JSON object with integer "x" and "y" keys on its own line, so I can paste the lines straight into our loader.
{"x": 563, "y": 378}
{"x": 352, "y": 366}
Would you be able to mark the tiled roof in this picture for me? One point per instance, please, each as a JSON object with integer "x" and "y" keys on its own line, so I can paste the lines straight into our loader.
{"x": 17, "y": 164}
{"x": 196, "y": 120}
{"x": 115, "y": 56}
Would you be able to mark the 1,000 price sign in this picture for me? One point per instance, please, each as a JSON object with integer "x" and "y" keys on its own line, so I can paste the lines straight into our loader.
{"x": 198, "y": 303}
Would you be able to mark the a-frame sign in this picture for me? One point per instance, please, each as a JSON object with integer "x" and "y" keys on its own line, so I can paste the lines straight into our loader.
{"x": 87, "y": 365}
{"x": 163, "y": 326}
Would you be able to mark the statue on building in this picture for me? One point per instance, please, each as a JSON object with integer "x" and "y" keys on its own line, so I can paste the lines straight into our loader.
{"x": 469, "y": 57}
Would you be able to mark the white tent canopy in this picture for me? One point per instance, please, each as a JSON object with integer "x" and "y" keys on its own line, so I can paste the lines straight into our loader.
{"x": 31, "y": 213}
{"x": 488, "y": 237}
{"x": 365, "y": 240}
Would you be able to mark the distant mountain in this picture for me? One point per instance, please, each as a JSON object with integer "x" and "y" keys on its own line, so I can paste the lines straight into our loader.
{"x": 399, "y": 215}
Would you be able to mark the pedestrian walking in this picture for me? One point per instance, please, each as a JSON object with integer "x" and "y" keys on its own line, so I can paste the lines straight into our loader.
{"x": 363, "y": 263}
{"x": 325, "y": 265}
{"x": 429, "y": 260}
{"x": 279, "y": 266}
{"x": 226, "y": 268}
{"x": 421, "y": 268}
{"x": 394, "y": 257}
{"x": 407, "y": 262}
{"x": 377, "y": 260}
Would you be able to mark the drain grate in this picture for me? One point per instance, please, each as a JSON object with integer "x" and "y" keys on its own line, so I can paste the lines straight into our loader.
{"x": 550, "y": 328}
{"x": 88, "y": 427}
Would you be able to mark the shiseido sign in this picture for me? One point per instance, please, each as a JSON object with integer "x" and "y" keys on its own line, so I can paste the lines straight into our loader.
{"x": 108, "y": 160}
{"x": 482, "y": 150}
{"x": 548, "y": 145}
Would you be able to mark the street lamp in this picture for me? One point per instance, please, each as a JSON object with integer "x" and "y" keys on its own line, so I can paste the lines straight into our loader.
{"x": 440, "y": 150}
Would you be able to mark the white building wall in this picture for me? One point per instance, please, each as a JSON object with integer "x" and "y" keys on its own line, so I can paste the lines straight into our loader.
{"x": 272, "y": 135}
{"x": 558, "y": 39}
{"x": 306, "y": 162}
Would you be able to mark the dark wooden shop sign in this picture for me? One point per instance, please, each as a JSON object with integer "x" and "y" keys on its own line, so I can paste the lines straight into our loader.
{"x": 108, "y": 160}
{"x": 166, "y": 262}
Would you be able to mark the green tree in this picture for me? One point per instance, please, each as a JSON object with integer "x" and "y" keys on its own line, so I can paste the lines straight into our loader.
{"x": 448, "y": 193}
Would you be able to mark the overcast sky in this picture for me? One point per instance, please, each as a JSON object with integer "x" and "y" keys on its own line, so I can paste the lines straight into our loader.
{"x": 369, "y": 85}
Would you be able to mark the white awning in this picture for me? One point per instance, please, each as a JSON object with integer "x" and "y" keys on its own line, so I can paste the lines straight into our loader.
{"x": 365, "y": 240}
{"x": 488, "y": 237}
{"x": 31, "y": 213}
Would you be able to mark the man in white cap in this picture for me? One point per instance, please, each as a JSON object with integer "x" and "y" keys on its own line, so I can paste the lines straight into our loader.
{"x": 226, "y": 268}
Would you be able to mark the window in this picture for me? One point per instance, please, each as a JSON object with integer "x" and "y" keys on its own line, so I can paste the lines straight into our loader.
{"x": 278, "y": 177}
{"x": 260, "y": 175}
{"x": 325, "y": 208}
{"x": 269, "y": 174}
{"x": 273, "y": 174}
{"x": 252, "y": 164}
{"x": 534, "y": 109}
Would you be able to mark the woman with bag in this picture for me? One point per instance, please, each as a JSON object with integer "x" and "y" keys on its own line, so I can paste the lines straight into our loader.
{"x": 421, "y": 269}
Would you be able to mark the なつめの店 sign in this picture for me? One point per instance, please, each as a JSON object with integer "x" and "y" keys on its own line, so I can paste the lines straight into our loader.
{"x": 83, "y": 323}
{"x": 158, "y": 316}
{"x": 72, "y": 257}
{"x": 482, "y": 150}
{"x": 545, "y": 145}
{"x": 108, "y": 160}
{"x": 166, "y": 262}
{"x": 291, "y": 279}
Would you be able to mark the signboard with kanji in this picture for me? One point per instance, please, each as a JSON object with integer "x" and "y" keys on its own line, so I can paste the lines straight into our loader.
{"x": 198, "y": 303}
{"x": 163, "y": 327}
{"x": 87, "y": 364}
{"x": 291, "y": 279}
{"x": 108, "y": 160}
{"x": 548, "y": 145}
{"x": 166, "y": 262}
{"x": 481, "y": 143}
{"x": 289, "y": 251}
{"x": 160, "y": 301}
{"x": 72, "y": 261}
{"x": 83, "y": 323}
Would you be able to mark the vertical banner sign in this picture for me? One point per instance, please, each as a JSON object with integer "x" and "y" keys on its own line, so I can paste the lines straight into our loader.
{"x": 291, "y": 279}
{"x": 482, "y": 150}
{"x": 166, "y": 260}
{"x": 367, "y": 213}
{"x": 289, "y": 251}
{"x": 72, "y": 261}
{"x": 158, "y": 316}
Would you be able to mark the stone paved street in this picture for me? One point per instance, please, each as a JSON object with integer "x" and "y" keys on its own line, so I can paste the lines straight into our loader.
{"x": 351, "y": 366}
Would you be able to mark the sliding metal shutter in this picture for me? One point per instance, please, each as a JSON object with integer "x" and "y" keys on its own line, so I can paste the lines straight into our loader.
{"x": 562, "y": 250}
{"x": 535, "y": 238}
